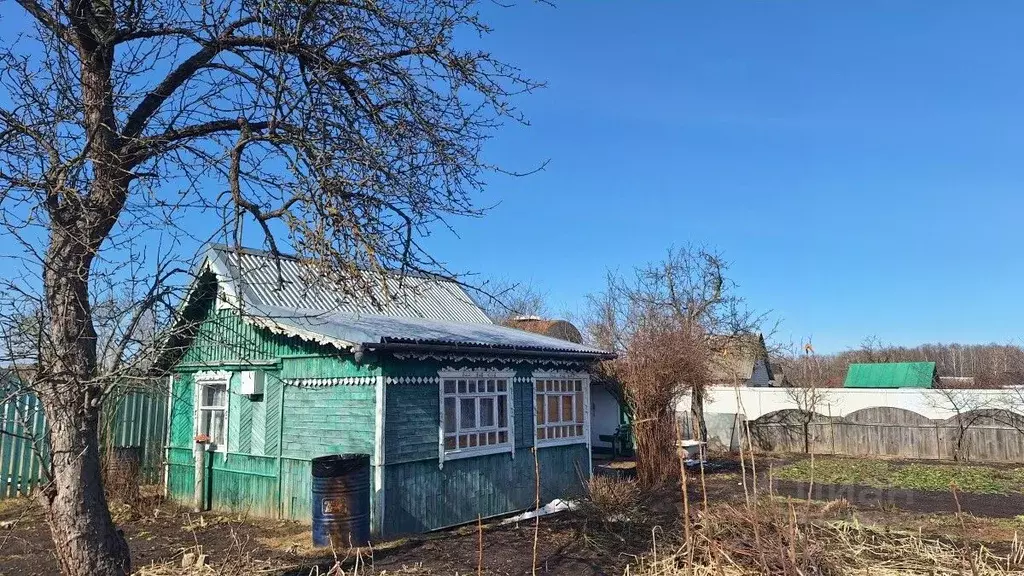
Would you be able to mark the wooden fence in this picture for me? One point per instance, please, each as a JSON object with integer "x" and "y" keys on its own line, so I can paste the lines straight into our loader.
{"x": 991, "y": 436}
{"x": 135, "y": 426}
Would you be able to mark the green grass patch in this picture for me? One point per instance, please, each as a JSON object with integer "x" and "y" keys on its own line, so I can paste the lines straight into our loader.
{"x": 916, "y": 476}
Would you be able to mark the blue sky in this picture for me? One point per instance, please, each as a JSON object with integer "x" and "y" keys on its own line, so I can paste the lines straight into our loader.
{"x": 858, "y": 163}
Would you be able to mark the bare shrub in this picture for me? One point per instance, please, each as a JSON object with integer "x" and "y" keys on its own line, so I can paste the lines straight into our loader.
{"x": 618, "y": 514}
{"x": 122, "y": 475}
{"x": 667, "y": 323}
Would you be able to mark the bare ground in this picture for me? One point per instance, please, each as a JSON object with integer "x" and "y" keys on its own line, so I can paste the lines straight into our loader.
{"x": 160, "y": 533}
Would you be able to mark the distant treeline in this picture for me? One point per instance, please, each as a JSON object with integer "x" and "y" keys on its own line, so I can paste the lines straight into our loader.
{"x": 991, "y": 365}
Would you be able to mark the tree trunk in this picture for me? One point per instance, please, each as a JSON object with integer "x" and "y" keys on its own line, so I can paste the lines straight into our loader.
{"x": 697, "y": 412}
{"x": 87, "y": 542}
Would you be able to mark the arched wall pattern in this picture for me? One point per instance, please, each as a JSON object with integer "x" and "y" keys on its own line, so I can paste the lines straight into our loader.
{"x": 841, "y": 402}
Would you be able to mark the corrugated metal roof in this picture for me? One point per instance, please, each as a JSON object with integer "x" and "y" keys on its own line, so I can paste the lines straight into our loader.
{"x": 252, "y": 277}
{"x": 890, "y": 375}
{"x": 347, "y": 329}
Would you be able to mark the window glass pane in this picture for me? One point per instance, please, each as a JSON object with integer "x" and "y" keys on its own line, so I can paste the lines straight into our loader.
{"x": 449, "y": 414}
{"x": 502, "y": 437}
{"x": 449, "y": 443}
{"x": 214, "y": 395}
{"x": 579, "y": 430}
{"x": 490, "y": 385}
{"x": 579, "y": 407}
{"x": 502, "y": 411}
{"x": 553, "y": 409}
{"x": 462, "y": 386}
{"x": 486, "y": 412}
{"x": 540, "y": 433}
{"x": 472, "y": 387}
{"x": 502, "y": 386}
{"x": 463, "y": 441}
{"x": 467, "y": 413}
{"x": 567, "y": 409}
{"x": 540, "y": 409}
{"x": 472, "y": 440}
{"x": 449, "y": 386}
{"x": 217, "y": 427}
{"x": 492, "y": 438}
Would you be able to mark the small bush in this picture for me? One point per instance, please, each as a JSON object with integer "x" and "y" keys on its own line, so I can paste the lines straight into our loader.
{"x": 618, "y": 512}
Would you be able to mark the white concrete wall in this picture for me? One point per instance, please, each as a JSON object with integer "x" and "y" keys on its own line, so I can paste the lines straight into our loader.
{"x": 934, "y": 404}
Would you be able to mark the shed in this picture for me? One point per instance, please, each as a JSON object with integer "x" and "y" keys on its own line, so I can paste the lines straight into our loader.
{"x": 277, "y": 366}
{"x": 891, "y": 375}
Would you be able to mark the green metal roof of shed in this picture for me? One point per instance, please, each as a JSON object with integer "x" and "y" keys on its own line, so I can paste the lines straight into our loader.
{"x": 893, "y": 375}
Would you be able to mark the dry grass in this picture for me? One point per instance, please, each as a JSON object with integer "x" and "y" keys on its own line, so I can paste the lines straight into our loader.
{"x": 769, "y": 537}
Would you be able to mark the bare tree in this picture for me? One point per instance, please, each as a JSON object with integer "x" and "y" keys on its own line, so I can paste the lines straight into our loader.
{"x": 969, "y": 409}
{"x": 343, "y": 130}
{"x": 503, "y": 300}
{"x": 810, "y": 397}
{"x": 666, "y": 321}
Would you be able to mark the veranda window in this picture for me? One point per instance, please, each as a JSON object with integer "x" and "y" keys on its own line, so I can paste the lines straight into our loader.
{"x": 560, "y": 410}
{"x": 476, "y": 414}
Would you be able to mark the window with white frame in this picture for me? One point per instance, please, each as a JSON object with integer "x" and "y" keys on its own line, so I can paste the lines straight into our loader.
{"x": 476, "y": 413}
{"x": 212, "y": 408}
{"x": 560, "y": 409}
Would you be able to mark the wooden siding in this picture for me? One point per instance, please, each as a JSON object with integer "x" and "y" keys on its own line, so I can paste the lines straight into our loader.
{"x": 329, "y": 420}
{"x": 412, "y": 412}
{"x": 223, "y": 337}
{"x": 266, "y": 471}
{"x": 421, "y": 497}
{"x": 133, "y": 419}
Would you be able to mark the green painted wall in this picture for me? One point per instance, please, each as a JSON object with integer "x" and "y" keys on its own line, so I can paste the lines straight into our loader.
{"x": 421, "y": 497}
{"x": 330, "y": 420}
{"x": 271, "y": 439}
{"x": 412, "y": 414}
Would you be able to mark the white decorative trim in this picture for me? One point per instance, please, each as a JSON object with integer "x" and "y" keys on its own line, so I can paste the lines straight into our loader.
{"x": 487, "y": 451}
{"x": 380, "y": 407}
{"x": 578, "y": 374}
{"x": 440, "y": 425}
{"x": 326, "y": 382}
{"x": 567, "y": 374}
{"x": 450, "y": 373}
{"x": 204, "y": 376}
{"x": 200, "y": 379}
{"x": 483, "y": 357}
{"x": 411, "y": 380}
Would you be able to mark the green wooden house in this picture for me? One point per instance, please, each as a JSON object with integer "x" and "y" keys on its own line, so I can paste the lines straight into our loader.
{"x": 277, "y": 368}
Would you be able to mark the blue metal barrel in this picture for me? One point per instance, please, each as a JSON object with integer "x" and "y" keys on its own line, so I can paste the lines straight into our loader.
{"x": 341, "y": 500}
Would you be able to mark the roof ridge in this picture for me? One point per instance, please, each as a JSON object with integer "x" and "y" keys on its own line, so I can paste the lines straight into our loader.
{"x": 217, "y": 247}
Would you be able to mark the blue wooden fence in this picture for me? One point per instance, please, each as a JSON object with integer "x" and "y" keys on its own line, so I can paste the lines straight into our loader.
{"x": 136, "y": 420}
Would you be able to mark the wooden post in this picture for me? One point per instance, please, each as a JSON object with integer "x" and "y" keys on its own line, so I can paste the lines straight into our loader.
{"x": 200, "y": 453}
